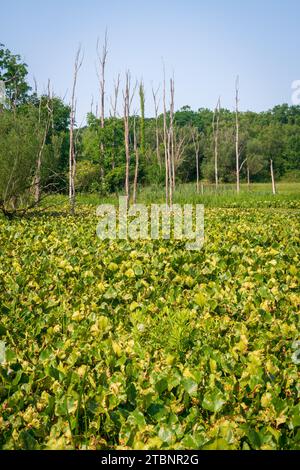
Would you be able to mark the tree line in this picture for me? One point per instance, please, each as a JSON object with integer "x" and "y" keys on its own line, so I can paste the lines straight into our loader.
{"x": 120, "y": 149}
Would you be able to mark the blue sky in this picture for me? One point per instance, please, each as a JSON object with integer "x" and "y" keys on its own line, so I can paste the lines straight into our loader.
{"x": 206, "y": 43}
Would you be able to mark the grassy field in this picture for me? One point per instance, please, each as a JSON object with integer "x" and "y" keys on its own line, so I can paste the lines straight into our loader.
{"x": 259, "y": 195}
{"x": 145, "y": 345}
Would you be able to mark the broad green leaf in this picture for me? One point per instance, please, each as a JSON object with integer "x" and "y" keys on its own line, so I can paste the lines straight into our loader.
{"x": 213, "y": 400}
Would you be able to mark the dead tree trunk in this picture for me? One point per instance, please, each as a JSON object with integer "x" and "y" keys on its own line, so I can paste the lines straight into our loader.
{"x": 156, "y": 106}
{"x": 196, "y": 142}
{"x": 171, "y": 134}
{"x": 166, "y": 143}
{"x": 170, "y": 150}
{"x": 215, "y": 125}
{"x": 272, "y": 177}
{"x": 142, "y": 120}
{"x": 169, "y": 144}
{"x": 126, "y": 136}
{"x": 136, "y": 153}
{"x": 92, "y": 104}
{"x": 127, "y": 100}
{"x": 72, "y": 154}
{"x": 102, "y": 62}
{"x": 113, "y": 113}
{"x": 237, "y": 150}
{"x": 37, "y": 176}
{"x": 180, "y": 140}
{"x": 170, "y": 163}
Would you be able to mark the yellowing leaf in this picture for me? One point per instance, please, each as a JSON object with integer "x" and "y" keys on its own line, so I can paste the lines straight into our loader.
{"x": 200, "y": 299}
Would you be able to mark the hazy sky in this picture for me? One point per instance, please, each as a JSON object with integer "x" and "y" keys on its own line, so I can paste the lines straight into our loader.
{"x": 206, "y": 43}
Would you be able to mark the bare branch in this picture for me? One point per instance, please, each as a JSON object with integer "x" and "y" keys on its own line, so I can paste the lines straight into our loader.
{"x": 72, "y": 153}
{"x": 237, "y": 151}
{"x": 156, "y": 107}
{"x": 102, "y": 57}
{"x": 114, "y": 100}
{"x": 136, "y": 152}
{"x": 215, "y": 125}
{"x": 243, "y": 163}
{"x": 127, "y": 100}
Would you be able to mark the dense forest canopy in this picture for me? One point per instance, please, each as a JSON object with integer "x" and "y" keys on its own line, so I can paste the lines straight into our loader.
{"x": 34, "y": 142}
{"x": 274, "y": 133}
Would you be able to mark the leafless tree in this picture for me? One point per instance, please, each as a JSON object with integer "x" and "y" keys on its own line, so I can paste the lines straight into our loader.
{"x": 156, "y": 108}
{"x": 127, "y": 100}
{"x": 180, "y": 140}
{"x": 113, "y": 114}
{"x": 72, "y": 154}
{"x": 165, "y": 138}
{"x": 215, "y": 125}
{"x": 171, "y": 141}
{"x": 102, "y": 57}
{"x": 49, "y": 118}
{"x": 92, "y": 104}
{"x": 114, "y": 99}
{"x": 170, "y": 150}
{"x": 136, "y": 153}
{"x": 237, "y": 149}
{"x": 169, "y": 144}
{"x": 196, "y": 143}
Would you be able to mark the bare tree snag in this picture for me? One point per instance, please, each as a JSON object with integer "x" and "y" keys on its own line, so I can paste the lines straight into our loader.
{"x": 102, "y": 62}
{"x": 92, "y": 104}
{"x": 165, "y": 133}
{"x": 136, "y": 153}
{"x": 156, "y": 107}
{"x": 272, "y": 177}
{"x": 127, "y": 100}
{"x": 169, "y": 146}
{"x": 126, "y": 135}
{"x": 142, "y": 121}
{"x": 72, "y": 154}
{"x": 113, "y": 113}
{"x": 114, "y": 100}
{"x": 237, "y": 149}
{"x": 180, "y": 140}
{"x": 196, "y": 142}
{"x": 37, "y": 176}
{"x": 215, "y": 125}
{"x": 171, "y": 140}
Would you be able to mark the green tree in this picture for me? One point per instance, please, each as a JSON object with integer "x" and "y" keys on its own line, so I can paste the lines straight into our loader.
{"x": 14, "y": 73}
